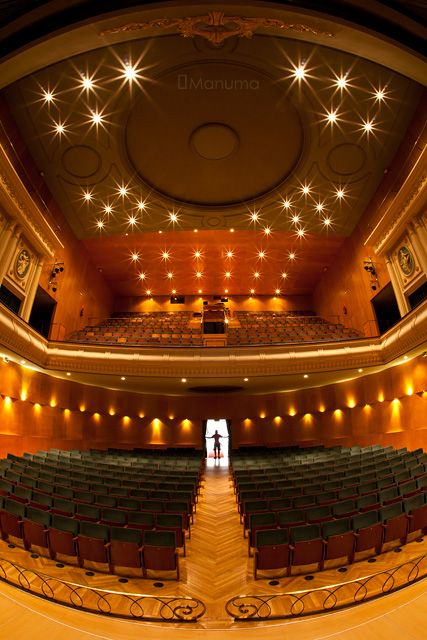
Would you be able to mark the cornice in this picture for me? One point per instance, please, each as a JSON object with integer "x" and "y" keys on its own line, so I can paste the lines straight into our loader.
{"x": 408, "y": 202}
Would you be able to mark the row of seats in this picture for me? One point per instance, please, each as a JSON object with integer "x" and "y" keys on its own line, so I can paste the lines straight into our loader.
{"x": 137, "y": 547}
{"x": 283, "y": 548}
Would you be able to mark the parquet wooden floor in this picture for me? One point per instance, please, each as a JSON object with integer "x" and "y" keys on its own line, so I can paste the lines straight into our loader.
{"x": 216, "y": 568}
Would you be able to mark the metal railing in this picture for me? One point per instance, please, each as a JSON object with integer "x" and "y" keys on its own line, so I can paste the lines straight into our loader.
{"x": 120, "y": 604}
{"x": 295, "y": 604}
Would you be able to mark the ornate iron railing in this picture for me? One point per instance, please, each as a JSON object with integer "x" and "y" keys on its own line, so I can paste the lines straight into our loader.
{"x": 113, "y": 603}
{"x": 314, "y": 601}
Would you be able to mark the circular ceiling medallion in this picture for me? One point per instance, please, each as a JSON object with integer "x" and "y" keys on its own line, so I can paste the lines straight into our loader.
{"x": 81, "y": 161}
{"x": 214, "y": 134}
{"x": 346, "y": 159}
{"x": 214, "y": 141}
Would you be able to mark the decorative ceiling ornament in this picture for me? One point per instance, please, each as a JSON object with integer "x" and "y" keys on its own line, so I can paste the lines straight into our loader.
{"x": 216, "y": 27}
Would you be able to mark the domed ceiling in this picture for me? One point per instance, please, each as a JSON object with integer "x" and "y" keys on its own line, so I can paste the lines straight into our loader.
{"x": 195, "y": 165}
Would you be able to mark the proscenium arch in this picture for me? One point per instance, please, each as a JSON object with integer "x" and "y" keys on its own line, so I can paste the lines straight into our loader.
{"x": 32, "y": 44}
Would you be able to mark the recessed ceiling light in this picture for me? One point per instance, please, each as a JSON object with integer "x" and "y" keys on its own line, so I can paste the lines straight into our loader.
{"x": 68, "y": 373}
{"x": 132, "y": 220}
{"x": 231, "y": 230}
{"x": 87, "y": 196}
{"x": 254, "y": 216}
{"x": 130, "y": 73}
{"x": 96, "y": 117}
{"x": 342, "y": 82}
{"x": 296, "y": 218}
{"x": 135, "y": 256}
{"x": 148, "y": 292}
{"x": 284, "y": 275}
{"x": 230, "y": 254}
{"x": 165, "y": 255}
{"x": 173, "y": 292}
{"x": 305, "y": 375}
{"x": 252, "y": 291}
{"x": 198, "y": 274}
{"x": 245, "y": 379}
{"x": 108, "y": 209}
{"x": 267, "y": 231}
{"x": 360, "y": 370}
{"x": 100, "y": 224}
{"x": 299, "y": 72}
{"x": 170, "y": 275}
{"x": 87, "y": 83}
{"x": 305, "y": 189}
{"x": 327, "y": 222}
{"x": 123, "y": 378}
{"x": 286, "y": 204}
{"x": 123, "y": 190}
{"x": 48, "y": 96}
{"x": 141, "y": 205}
{"x": 292, "y": 256}
{"x": 197, "y": 254}
{"x": 173, "y": 217}
{"x": 261, "y": 254}
{"x": 228, "y": 274}
{"x": 256, "y": 274}
{"x": 183, "y": 379}
{"x": 141, "y": 276}
{"x": 277, "y": 292}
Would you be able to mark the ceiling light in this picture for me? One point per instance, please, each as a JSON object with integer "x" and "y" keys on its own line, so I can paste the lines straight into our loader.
{"x": 100, "y": 224}
{"x": 299, "y": 72}
{"x": 254, "y": 216}
{"x": 245, "y": 379}
{"x": 292, "y": 256}
{"x": 305, "y": 189}
{"x": 165, "y": 255}
{"x": 252, "y": 291}
{"x": 277, "y": 292}
{"x": 48, "y": 96}
{"x": 368, "y": 126}
{"x": 173, "y": 292}
{"x": 230, "y": 254}
{"x": 197, "y": 254}
{"x": 129, "y": 72}
{"x": 327, "y": 222}
{"x": 122, "y": 378}
{"x": 360, "y": 370}
{"x": 123, "y": 191}
{"x": 228, "y": 274}
{"x": 341, "y": 82}
{"x": 267, "y": 231}
{"x": 295, "y": 218}
{"x": 331, "y": 116}
{"x": 68, "y": 373}
{"x": 379, "y": 94}
{"x": 141, "y": 205}
{"x": 319, "y": 206}
{"x": 87, "y": 196}
{"x": 183, "y": 379}
{"x": 96, "y": 117}
{"x": 173, "y": 217}
{"x": 340, "y": 193}
{"x": 284, "y": 275}
{"x": 59, "y": 128}
{"x": 200, "y": 291}
{"x": 232, "y": 230}
{"x": 198, "y": 274}
{"x": 148, "y": 292}
{"x": 256, "y": 274}
{"x": 305, "y": 375}
{"x": 301, "y": 232}
{"x": 170, "y": 275}
{"x": 132, "y": 220}
{"x": 261, "y": 254}
{"x": 226, "y": 291}
{"x": 108, "y": 209}
{"x": 135, "y": 256}
{"x": 87, "y": 83}
{"x": 286, "y": 204}
{"x": 141, "y": 276}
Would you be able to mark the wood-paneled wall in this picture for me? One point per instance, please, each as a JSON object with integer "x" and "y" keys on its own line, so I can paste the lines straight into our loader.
{"x": 38, "y": 411}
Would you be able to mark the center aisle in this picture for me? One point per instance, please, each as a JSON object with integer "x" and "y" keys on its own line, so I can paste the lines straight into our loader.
{"x": 217, "y": 563}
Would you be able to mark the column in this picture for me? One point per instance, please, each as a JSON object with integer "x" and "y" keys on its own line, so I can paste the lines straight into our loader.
{"x": 9, "y": 242}
{"x": 401, "y": 300}
{"x": 31, "y": 293}
{"x": 418, "y": 236}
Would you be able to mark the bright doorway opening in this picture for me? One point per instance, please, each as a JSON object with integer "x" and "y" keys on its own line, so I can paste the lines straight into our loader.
{"x": 219, "y": 426}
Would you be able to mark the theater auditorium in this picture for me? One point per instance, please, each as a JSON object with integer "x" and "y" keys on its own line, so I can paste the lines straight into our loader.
{"x": 213, "y": 319}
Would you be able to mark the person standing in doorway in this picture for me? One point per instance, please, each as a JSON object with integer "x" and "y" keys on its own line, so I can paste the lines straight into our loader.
{"x": 217, "y": 445}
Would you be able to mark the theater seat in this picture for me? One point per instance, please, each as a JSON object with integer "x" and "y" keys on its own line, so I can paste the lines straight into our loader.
{"x": 125, "y": 548}
{"x": 272, "y": 550}
{"x": 35, "y": 528}
{"x": 339, "y": 539}
{"x": 63, "y": 536}
{"x": 92, "y": 542}
{"x": 368, "y": 531}
{"x": 159, "y": 552}
{"x": 307, "y": 545}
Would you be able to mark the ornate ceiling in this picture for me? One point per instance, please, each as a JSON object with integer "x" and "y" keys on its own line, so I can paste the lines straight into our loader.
{"x": 179, "y": 160}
